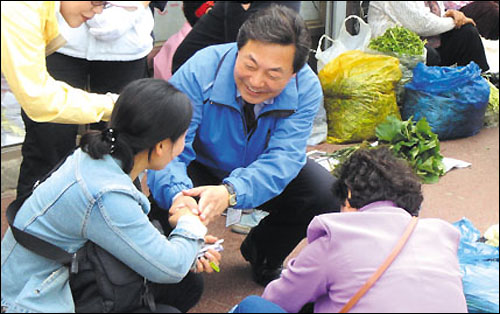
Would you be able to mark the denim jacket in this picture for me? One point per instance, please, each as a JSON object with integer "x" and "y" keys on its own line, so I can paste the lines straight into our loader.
{"x": 88, "y": 199}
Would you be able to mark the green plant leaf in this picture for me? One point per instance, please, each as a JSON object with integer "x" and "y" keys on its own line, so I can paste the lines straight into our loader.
{"x": 390, "y": 130}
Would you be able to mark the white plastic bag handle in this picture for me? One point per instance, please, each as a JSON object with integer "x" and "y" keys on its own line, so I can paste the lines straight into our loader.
{"x": 320, "y": 42}
{"x": 345, "y": 37}
{"x": 356, "y": 41}
{"x": 344, "y": 42}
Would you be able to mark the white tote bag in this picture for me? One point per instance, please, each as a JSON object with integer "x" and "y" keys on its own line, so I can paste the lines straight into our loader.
{"x": 344, "y": 42}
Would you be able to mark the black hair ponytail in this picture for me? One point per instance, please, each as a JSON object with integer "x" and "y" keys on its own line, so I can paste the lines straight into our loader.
{"x": 147, "y": 112}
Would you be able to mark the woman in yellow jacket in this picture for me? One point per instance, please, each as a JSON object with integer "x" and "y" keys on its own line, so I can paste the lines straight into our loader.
{"x": 29, "y": 32}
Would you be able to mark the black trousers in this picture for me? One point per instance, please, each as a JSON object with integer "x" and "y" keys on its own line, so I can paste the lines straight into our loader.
{"x": 220, "y": 25}
{"x": 179, "y": 297}
{"x": 306, "y": 196}
{"x": 485, "y": 14}
{"x": 460, "y": 46}
{"x": 46, "y": 143}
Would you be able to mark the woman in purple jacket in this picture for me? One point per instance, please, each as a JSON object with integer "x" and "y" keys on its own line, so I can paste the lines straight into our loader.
{"x": 379, "y": 194}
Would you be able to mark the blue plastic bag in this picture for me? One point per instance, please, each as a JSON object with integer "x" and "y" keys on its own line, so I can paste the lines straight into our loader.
{"x": 452, "y": 99}
{"x": 479, "y": 267}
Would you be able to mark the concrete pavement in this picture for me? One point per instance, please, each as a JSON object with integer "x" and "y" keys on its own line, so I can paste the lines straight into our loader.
{"x": 470, "y": 192}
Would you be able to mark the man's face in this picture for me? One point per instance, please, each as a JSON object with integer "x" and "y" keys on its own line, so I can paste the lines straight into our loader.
{"x": 78, "y": 12}
{"x": 262, "y": 70}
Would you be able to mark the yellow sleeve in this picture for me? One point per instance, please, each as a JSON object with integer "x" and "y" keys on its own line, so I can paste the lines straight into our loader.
{"x": 24, "y": 40}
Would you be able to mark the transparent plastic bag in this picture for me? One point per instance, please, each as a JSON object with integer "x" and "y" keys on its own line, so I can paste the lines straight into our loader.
{"x": 479, "y": 267}
{"x": 320, "y": 127}
{"x": 344, "y": 42}
{"x": 406, "y": 63}
{"x": 359, "y": 94}
{"x": 452, "y": 99}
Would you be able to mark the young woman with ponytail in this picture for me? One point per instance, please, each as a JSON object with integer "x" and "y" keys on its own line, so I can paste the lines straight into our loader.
{"x": 91, "y": 197}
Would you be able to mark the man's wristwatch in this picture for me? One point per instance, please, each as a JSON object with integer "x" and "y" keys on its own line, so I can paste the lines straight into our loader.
{"x": 232, "y": 194}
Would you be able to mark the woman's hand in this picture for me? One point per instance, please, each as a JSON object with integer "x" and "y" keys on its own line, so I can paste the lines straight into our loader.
{"x": 459, "y": 18}
{"x": 183, "y": 205}
{"x": 211, "y": 260}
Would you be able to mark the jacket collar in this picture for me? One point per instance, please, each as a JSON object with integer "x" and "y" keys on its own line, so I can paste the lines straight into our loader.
{"x": 224, "y": 87}
{"x": 382, "y": 206}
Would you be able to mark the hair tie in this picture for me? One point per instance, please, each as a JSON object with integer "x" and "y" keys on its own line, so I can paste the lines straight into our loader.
{"x": 110, "y": 135}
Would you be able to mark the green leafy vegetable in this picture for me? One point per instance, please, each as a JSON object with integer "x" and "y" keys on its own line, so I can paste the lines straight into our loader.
{"x": 399, "y": 40}
{"x": 342, "y": 155}
{"x": 491, "y": 116}
{"x": 416, "y": 143}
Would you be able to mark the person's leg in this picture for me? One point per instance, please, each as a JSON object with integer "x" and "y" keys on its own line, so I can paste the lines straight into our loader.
{"x": 256, "y": 304}
{"x": 74, "y": 71}
{"x": 432, "y": 57}
{"x": 45, "y": 144}
{"x": 235, "y": 15}
{"x": 113, "y": 76}
{"x": 461, "y": 46}
{"x": 209, "y": 30}
{"x": 183, "y": 295}
{"x": 273, "y": 239}
{"x": 160, "y": 308}
{"x": 485, "y": 15}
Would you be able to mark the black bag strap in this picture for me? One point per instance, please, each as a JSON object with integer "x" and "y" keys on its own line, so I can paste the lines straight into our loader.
{"x": 35, "y": 244}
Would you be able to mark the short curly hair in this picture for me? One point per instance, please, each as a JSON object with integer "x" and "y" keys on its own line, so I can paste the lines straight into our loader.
{"x": 375, "y": 174}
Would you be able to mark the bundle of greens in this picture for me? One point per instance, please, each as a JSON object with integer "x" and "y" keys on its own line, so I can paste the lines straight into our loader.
{"x": 491, "y": 116}
{"x": 399, "y": 40}
{"x": 416, "y": 143}
{"x": 405, "y": 45}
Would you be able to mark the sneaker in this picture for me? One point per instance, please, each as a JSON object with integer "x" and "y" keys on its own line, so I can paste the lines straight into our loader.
{"x": 248, "y": 220}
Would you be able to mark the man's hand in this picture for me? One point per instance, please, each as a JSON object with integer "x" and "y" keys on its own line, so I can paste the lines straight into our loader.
{"x": 214, "y": 199}
{"x": 459, "y": 18}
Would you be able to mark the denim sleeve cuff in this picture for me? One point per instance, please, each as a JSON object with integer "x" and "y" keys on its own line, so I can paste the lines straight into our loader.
{"x": 190, "y": 227}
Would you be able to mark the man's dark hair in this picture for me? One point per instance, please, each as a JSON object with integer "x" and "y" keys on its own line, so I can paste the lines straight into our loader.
{"x": 278, "y": 24}
{"x": 375, "y": 174}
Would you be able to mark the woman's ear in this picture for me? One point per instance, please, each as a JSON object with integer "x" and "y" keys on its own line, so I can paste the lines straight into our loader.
{"x": 157, "y": 150}
{"x": 347, "y": 207}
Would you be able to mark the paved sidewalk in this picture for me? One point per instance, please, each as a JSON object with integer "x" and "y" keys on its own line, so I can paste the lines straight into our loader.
{"x": 471, "y": 192}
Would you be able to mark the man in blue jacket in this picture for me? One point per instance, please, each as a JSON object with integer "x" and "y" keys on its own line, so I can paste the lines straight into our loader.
{"x": 254, "y": 104}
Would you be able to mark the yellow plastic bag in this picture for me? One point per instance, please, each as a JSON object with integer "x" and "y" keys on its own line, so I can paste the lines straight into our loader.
{"x": 359, "y": 94}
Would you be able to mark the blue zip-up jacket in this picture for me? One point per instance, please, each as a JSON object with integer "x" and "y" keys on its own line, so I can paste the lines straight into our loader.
{"x": 259, "y": 164}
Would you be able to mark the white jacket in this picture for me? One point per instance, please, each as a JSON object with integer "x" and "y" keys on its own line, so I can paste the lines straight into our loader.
{"x": 115, "y": 35}
{"x": 413, "y": 15}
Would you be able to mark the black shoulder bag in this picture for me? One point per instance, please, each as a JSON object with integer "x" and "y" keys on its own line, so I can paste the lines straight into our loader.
{"x": 99, "y": 282}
